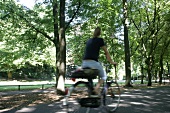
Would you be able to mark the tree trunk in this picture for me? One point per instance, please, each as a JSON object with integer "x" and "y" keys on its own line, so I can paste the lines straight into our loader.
{"x": 142, "y": 76}
{"x": 56, "y": 35}
{"x": 168, "y": 68}
{"x": 149, "y": 70}
{"x": 126, "y": 46}
{"x": 161, "y": 70}
{"x": 60, "y": 44}
{"x": 61, "y": 54}
{"x": 156, "y": 77}
{"x": 149, "y": 77}
{"x": 9, "y": 75}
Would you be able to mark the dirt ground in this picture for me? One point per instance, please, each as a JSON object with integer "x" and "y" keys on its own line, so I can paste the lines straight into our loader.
{"x": 27, "y": 99}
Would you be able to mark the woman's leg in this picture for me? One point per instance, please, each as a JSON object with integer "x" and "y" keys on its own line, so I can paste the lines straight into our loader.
{"x": 102, "y": 73}
{"x": 97, "y": 88}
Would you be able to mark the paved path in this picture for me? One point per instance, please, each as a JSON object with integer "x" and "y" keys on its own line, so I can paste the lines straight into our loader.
{"x": 152, "y": 100}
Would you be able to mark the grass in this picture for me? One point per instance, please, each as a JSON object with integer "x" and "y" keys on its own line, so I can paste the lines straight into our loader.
{"x": 15, "y": 88}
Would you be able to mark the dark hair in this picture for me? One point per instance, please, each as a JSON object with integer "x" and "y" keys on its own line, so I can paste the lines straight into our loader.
{"x": 97, "y": 32}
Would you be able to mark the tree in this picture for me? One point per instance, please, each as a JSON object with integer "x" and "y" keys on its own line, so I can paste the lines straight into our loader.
{"x": 26, "y": 16}
{"x": 126, "y": 45}
{"x": 148, "y": 19}
{"x": 20, "y": 41}
{"x": 60, "y": 41}
{"x": 60, "y": 44}
{"x": 33, "y": 31}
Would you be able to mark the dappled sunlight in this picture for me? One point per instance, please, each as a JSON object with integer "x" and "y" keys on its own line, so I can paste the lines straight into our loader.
{"x": 30, "y": 100}
{"x": 138, "y": 103}
{"x": 124, "y": 105}
{"x": 132, "y": 95}
{"x": 168, "y": 95}
{"x": 149, "y": 100}
{"x": 149, "y": 97}
{"x": 51, "y": 105}
{"x": 146, "y": 100}
{"x": 27, "y": 110}
{"x": 143, "y": 110}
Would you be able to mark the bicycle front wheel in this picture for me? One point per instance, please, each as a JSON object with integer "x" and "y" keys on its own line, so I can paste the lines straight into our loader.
{"x": 111, "y": 97}
{"x": 76, "y": 92}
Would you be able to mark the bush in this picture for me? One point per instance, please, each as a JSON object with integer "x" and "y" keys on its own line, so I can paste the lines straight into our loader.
{"x": 42, "y": 72}
{"x": 3, "y": 75}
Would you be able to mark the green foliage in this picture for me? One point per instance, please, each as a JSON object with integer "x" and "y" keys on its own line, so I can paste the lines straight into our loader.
{"x": 146, "y": 29}
{"x": 21, "y": 41}
{"x": 99, "y": 13}
{"x": 38, "y": 72}
{"x": 24, "y": 32}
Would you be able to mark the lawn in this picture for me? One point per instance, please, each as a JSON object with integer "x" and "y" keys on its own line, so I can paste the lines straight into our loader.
{"x": 4, "y": 86}
{"x": 14, "y": 88}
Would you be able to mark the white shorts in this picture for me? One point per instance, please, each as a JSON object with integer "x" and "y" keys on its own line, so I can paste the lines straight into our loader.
{"x": 95, "y": 65}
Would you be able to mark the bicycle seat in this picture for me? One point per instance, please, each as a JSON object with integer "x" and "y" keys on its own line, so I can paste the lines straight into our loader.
{"x": 85, "y": 73}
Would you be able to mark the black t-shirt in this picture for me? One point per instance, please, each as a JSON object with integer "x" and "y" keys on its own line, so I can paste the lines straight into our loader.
{"x": 92, "y": 48}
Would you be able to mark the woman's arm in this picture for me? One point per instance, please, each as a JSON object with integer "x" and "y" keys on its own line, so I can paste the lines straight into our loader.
{"x": 108, "y": 55}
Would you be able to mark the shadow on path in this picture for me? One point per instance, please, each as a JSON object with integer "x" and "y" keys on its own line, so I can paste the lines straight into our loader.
{"x": 151, "y": 100}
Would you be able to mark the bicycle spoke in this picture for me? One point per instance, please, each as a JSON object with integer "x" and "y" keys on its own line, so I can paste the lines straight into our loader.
{"x": 111, "y": 101}
{"x": 79, "y": 91}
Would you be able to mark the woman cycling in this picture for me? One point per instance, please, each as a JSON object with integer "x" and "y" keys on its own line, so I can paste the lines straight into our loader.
{"x": 91, "y": 55}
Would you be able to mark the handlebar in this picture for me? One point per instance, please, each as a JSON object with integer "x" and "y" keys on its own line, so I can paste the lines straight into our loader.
{"x": 107, "y": 65}
{"x": 107, "y": 70}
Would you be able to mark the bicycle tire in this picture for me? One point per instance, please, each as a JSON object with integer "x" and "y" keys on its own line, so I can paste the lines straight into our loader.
{"x": 111, "y": 97}
{"x": 79, "y": 90}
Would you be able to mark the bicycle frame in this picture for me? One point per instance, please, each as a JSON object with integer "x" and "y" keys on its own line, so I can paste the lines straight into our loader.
{"x": 96, "y": 100}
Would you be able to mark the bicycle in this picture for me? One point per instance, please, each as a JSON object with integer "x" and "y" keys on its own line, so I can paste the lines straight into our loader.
{"x": 80, "y": 95}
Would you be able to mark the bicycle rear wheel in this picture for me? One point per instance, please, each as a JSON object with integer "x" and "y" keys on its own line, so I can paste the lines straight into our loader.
{"x": 111, "y": 98}
{"x": 75, "y": 93}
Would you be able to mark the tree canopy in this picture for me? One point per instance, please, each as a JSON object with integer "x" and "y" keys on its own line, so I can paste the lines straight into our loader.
{"x": 33, "y": 35}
